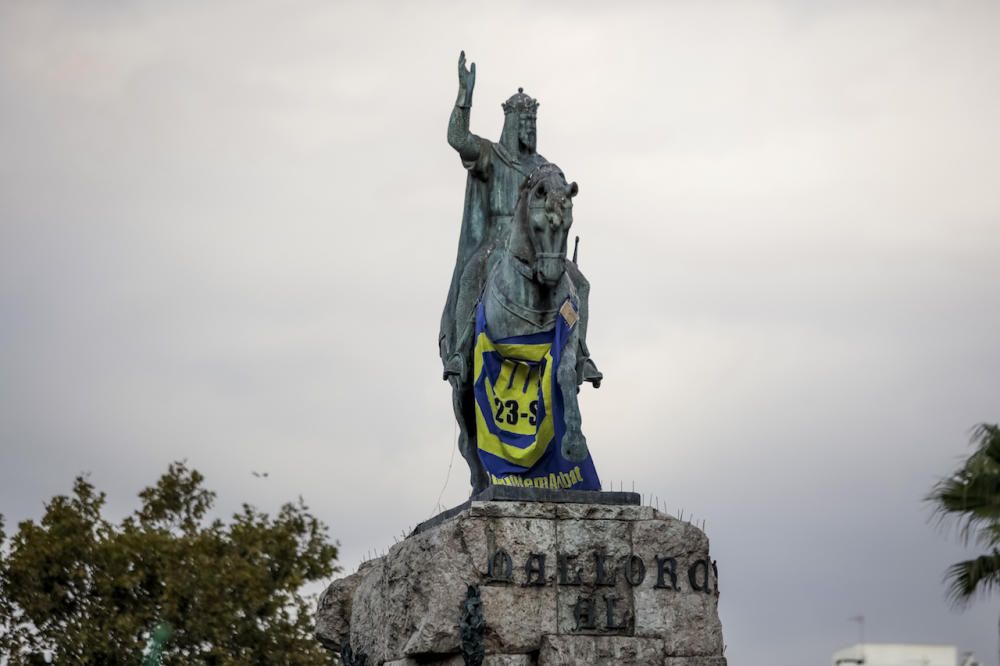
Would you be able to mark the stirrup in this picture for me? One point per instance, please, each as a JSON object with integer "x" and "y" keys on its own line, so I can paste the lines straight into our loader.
{"x": 591, "y": 373}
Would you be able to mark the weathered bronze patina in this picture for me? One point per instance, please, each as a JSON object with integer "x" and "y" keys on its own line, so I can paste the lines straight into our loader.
{"x": 512, "y": 256}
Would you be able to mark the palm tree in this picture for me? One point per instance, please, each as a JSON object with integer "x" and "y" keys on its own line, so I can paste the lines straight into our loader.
{"x": 971, "y": 495}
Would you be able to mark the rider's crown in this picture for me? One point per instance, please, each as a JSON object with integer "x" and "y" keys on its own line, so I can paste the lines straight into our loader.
{"x": 520, "y": 102}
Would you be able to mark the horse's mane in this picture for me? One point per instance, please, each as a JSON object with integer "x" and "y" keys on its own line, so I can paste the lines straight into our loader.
{"x": 540, "y": 173}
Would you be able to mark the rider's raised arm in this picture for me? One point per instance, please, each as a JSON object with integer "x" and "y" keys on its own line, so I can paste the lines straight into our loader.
{"x": 459, "y": 137}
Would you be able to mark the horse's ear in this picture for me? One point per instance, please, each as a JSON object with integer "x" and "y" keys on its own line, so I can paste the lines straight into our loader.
{"x": 573, "y": 189}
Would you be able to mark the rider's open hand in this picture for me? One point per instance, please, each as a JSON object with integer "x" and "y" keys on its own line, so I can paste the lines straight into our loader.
{"x": 466, "y": 80}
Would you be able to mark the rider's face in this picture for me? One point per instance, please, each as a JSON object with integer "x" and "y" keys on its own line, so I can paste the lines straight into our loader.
{"x": 526, "y": 131}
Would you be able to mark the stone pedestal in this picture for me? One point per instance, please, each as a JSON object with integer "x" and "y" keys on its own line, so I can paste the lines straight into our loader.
{"x": 542, "y": 583}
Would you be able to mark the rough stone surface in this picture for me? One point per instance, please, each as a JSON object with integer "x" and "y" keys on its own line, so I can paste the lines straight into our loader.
{"x": 689, "y": 622}
{"x": 333, "y": 617}
{"x": 456, "y": 660}
{"x": 405, "y": 608}
{"x": 618, "y": 650}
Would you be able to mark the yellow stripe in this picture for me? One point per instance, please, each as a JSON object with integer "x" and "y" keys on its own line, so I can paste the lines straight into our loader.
{"x": 534, "y": 352}
{"x": 545, "y": 433}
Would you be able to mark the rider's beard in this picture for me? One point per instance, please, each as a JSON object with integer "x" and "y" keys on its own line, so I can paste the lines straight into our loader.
{"x": 527, "y": 140}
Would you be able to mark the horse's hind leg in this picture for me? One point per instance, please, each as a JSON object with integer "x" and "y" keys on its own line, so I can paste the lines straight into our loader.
{"x": 574, "y": 444}
{"x": 462, "y": 401}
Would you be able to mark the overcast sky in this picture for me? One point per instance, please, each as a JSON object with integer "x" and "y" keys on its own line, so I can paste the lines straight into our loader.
{"x": 227, "y": 230}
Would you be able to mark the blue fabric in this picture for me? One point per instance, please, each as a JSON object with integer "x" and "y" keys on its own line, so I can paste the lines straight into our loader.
{"x": 519, "y": 409}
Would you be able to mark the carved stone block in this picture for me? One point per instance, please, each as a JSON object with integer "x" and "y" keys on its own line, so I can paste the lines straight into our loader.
{"x": 558, "y": 584}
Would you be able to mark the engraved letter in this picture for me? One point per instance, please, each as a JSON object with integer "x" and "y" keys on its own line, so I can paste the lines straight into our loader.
{"x": 534, "y": 570}
{"x": 666, "y": 565}
{"x": 635, "y": 570}
{"x": 609, "y": 605}
{"x": 563, "y": 563}
{"x": 583, "y": 613}
{"x": 693, "y": 576}
{"x": 602, "y": 575}
{"x": 500, "y": 568}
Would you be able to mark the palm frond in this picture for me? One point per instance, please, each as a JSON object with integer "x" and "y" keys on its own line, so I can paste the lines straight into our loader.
{"x": 987, "y": 435}
{"x": 971, "y": 577}
{"x": 972, "y": 493}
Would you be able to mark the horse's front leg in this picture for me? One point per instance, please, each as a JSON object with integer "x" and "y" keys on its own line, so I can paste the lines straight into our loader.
{"x": 574, "y": 444}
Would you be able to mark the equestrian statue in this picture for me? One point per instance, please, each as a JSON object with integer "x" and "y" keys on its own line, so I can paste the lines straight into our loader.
{"x": 513, "y": 332}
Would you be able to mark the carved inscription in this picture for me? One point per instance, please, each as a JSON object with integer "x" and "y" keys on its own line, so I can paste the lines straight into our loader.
{"x": 605, "y": 611}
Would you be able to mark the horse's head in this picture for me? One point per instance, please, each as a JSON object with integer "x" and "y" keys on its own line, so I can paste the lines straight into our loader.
{"x": 542, "y": 219}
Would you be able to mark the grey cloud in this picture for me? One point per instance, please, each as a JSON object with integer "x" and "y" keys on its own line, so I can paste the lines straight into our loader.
{"x": 227, "y": 231}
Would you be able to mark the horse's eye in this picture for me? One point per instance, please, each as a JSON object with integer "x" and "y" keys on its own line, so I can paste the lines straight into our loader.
{"x": 540, "y": 192}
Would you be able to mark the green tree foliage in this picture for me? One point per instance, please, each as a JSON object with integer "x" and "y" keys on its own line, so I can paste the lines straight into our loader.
{"x": 972, "y": 496}
{"x": 77, "y": 589}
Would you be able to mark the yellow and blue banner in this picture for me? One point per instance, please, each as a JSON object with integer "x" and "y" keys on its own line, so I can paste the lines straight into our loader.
{"x": 519, "y": 408}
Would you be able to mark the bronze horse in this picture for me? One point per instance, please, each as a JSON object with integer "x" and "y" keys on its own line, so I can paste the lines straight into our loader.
{"x": 527, "y": 284}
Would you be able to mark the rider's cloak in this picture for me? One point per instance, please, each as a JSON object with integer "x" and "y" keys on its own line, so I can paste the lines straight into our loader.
{"x": 491, "y": 190}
